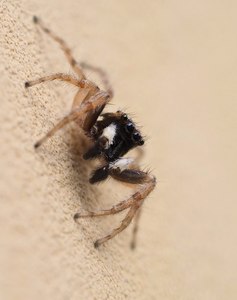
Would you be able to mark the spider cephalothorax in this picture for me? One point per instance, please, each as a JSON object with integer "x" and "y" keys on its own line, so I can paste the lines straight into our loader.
{"x": 112, "y": 136}
{"x": 115, "y": 135}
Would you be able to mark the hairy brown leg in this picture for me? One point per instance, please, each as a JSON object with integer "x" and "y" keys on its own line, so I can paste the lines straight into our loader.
{"x": 103, "y": 75}
{"x": 83, "y": 95}
{"x": 124, "y": 224}
{"x": 101, "y": 98}
{"x": 58, "y": 76}
{"x": 67, "y": 51}
{"x": 105, "y": 212}
{"x": 146, "y": 183}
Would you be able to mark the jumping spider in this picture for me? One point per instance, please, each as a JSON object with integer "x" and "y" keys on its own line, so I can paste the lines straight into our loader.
{"x": 113, "y": 135}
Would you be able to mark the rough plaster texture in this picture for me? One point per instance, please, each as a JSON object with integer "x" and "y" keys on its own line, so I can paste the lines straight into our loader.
{"x": 172, "y": 63}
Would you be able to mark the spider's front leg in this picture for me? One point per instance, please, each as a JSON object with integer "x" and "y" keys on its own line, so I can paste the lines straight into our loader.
{"x": 89, "y": 100}
{"x": 119, "y": 171}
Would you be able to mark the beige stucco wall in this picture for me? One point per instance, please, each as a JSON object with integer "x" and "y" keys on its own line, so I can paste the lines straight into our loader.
{"x": 173, "y": 64}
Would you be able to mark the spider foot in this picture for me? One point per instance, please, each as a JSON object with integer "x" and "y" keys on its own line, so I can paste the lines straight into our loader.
{"x": 133, "y": 245}
{"x": 35, "y": 19}
{"x": 76, "y": 216}
{"x": 97, "y": 244}
{"x": 27, "y": 84}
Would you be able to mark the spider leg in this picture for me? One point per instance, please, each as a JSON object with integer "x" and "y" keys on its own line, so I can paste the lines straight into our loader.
{"x": 98, "y": 100}
{"x": 82, "y": 97}
{"x": 147, "y": 183}
{"x": 92, "y": 115}
{"x": 103, "y": 75}
{"x": 105, "y": 212}
{"x": 124, "y": 224}
{"x": 119, "y": 170}
{"x": 67, "y": 51}
{"x": 58, "y": 76}
{"x": 137, "y": 199}
{"x": 88, "y": 90}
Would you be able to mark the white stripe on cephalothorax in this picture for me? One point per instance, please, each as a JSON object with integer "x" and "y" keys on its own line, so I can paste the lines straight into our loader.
{"x": 109, "y": 132}
{"x": 121, "y": 163}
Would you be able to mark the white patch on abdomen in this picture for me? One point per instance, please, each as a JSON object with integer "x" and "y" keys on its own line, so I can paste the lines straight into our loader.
{"x": 121, "y": 163}
{"x": 109, "y": 132}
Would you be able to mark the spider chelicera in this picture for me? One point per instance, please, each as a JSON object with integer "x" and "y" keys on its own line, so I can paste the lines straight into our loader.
{"x": 113, "y": 135}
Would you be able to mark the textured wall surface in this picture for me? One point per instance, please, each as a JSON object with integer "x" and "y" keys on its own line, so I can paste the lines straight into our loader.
{"x": 173, "y": 64}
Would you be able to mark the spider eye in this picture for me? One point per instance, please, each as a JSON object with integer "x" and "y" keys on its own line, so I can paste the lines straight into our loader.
{"x": 137, "y": 138}
{"x": 129, "y": 127}
{"x": 124, "y": 117}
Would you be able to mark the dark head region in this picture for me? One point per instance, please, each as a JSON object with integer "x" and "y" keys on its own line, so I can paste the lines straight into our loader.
{"x": 129, "y": 131}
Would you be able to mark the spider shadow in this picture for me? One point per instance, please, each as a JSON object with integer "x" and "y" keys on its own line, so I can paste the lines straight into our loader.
{"x": 87, "y": 196}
